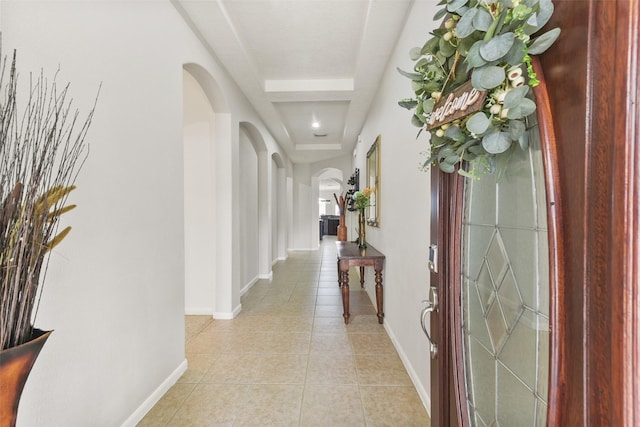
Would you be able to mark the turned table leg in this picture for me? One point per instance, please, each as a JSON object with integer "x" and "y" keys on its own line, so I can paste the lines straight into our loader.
{"x": 344, "y": 287}
{"x": 379, "y": 295}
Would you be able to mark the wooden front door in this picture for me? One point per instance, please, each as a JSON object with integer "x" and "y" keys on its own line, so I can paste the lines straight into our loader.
{"x": 588, "y": 122}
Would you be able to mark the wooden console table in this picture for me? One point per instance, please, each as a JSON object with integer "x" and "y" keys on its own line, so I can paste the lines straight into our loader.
{"x": 349, "y": 255}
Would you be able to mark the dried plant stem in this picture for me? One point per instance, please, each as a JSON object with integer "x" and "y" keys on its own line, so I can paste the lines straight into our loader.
{"x": 41, "y": 154}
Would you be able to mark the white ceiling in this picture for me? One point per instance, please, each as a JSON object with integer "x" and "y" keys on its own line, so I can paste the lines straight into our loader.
{"x": 300, "y": 61}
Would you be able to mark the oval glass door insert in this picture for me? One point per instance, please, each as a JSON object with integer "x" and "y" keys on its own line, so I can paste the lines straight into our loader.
{"x": 505, "y": 293}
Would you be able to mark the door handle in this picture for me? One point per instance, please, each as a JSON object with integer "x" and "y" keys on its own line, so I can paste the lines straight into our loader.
{"x": 431, "y": 306}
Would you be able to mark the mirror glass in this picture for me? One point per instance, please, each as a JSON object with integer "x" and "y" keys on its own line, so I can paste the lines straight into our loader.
{"x": 373, "y": 182}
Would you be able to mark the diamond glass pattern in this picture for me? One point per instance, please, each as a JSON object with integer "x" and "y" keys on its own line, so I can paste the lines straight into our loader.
{"x": 506, "y": 318}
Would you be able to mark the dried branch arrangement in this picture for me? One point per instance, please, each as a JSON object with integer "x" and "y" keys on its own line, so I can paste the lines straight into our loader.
{"x": 41, "y": 153}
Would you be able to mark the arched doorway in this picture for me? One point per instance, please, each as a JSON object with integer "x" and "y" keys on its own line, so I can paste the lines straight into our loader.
{"x": 205, "y": 128}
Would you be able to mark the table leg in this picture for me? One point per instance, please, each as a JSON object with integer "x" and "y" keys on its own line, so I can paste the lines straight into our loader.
{"x": 344, "y": 286}
{"x": 379, "y": 295}
{"x": 362, "y": 276}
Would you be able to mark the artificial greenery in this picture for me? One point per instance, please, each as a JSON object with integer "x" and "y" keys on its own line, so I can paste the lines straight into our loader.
{"x": 491, "y": 43}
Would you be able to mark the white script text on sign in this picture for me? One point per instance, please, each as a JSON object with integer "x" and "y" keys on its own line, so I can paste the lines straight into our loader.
{"x": 461, "y": 102}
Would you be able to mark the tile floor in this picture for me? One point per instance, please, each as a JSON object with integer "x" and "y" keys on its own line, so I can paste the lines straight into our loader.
{"x": 289, "y": 360}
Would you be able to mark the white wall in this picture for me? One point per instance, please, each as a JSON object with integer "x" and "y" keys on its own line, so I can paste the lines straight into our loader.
{"x": 115, "y": 290}
{"x": 403, "y": 235}
{"x": 199, "y": 198}
{"x": 248, "y": 211}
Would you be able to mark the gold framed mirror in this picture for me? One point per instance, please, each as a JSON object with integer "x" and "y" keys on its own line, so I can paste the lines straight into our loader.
{"x": 373, "y": 181}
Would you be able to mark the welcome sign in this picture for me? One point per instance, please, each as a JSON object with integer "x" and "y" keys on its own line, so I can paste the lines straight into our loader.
{"x": 461, "y": 102}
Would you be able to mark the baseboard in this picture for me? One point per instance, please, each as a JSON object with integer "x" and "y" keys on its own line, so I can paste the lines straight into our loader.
{"x": 225, "y": 315}
{"x": 198, "y": 311}
{"x": 422, "y": 392}
{"x": 248, "y": 286}
{"x": 150, "y": 401}
{"x": 268, "y": 276}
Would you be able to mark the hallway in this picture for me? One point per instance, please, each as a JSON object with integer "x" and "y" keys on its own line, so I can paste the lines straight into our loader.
{"x": 289, "y": 360}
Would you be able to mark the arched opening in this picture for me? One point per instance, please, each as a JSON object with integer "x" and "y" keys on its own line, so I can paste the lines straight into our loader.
{"x": 205, "y": 129}
{"x": 254, "y": 214}
{"x": 329, "y": 183}
{"x": 278, "y": 209}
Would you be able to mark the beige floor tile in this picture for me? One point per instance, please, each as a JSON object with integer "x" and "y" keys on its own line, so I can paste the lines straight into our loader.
{"x": 333, "y": 405}
{"x": 382, "y": 369}
{"x": 371, "y": 343}
{"x": 270, "y": 405}
{"x": 198, "y": 365}
{"x": 300, "y": 323}
{"x": 234, "y": 368}
{"x": 282, "y": 369}
{"x": 367, "y": 324}
{"x": 167, "y": 406}
{"x": 393, "y": 406}
{"x": 210, "y": 404}
{"x": 330, "y": 343}
{"x": 288, "y": 359}
{"x": 329, "y": 325}
{"x": 329, "y": 300}
{"x": 330, "y": 368}
{"x": 194, "y": 324}
{"x": 329, "y": 311}
{"x": 333, "y": 290}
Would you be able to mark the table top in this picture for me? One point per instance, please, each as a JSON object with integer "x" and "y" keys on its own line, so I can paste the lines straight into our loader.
{"x": 350, "y": 250}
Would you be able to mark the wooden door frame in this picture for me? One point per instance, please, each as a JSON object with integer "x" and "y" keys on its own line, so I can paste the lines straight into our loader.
{"x": 591, "y": 106}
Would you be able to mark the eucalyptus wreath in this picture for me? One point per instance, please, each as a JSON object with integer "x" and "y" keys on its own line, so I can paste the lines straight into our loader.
{"x": 491, "y": 40}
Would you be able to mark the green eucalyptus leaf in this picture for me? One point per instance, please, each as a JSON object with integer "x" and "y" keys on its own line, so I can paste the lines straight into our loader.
{"x": 446, "y": 167}
{"x": 516, "y": 129}
{"x": 431, "y": 46}
{"x": 452, "y": 160}
{"x": 516, "y": 53}
{"x": 461, "y": 76}
{"x": 409, "y": 104}
{"x": 515, "y": 96}
{"x": 412, "y": 76}
{"x": 496, "y": 142}
{"x": 454, "y": 133}
{"x": 439, "y": 32}
{"x": 428, "y": 105}
{"x": 474, "y": 60}
{"x": 446, "y": 48}
{"x": 465, "y": 44}
{"x": 523, "y": 141}
{"x": 497, "y": 47}
{"x": 545, "y": 12}
{"x": 478, "y": 123}
{"x": 465, "y": 27}
{"x": 523, "y": 109}
{"x": 417, "y": 121}
{"x": 440, "y": 14}
{"x": 478, "y": 150}
{"x": 422, "y": 63}
{"x": 432, "y": 86}
{"x": 531, "y": 25}
{"x": 487, "y": 77}
{"x": 416, "y": 86}
{"x": 542, "y": 43}
{"x": 415, "y": 53}
{"x": 442, "y": 59}
{"x": 482, "y": 20}
{"x": 454, "y": 5}
{"x": 445, "y": 152}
